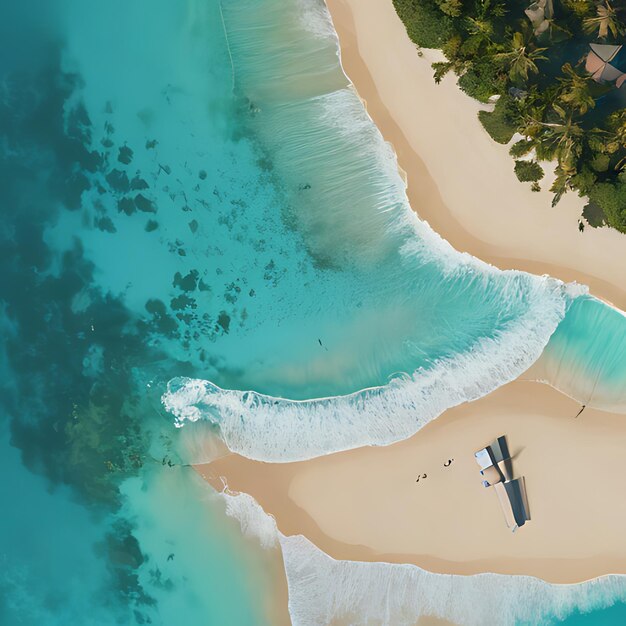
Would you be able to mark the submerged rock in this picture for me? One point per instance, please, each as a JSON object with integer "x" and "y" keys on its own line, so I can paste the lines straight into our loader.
{"x": 125, "y": 155}
{"x": 224, "y": 321}
{"x": 126, "y": 205}
{"x": 182, "y": 302}
{"x": 138, "y": 183}
{"x": 105, "y": 224}
{"x": 118, "y": 181}
{"x": 143, "y": 204}
{"x": 187, "y": 282}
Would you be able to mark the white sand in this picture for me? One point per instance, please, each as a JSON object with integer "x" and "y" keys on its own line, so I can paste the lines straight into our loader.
{"x": 364, "y": 504}
{"x": 460, "y": 180}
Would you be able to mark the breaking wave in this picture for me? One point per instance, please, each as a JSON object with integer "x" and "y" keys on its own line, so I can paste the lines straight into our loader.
{"x": 468, "y": 327}
{"x": 322, "y": 588}
{"x": 275, "y": 429}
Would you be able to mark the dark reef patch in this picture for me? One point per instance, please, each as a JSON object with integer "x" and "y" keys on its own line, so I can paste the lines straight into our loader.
{"x": 118, "y": 181}
{"x": 223, "y": 321}
{"x": 144, "y": 204}
{"x": 105, "y": 224}
{"x": 126, "y": 205}
{"x": 187, "y": 282}
{"x": 125, "y": 155}
{"x": 138, "y": 183}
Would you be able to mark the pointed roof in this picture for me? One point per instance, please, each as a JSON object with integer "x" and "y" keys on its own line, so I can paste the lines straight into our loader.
{"x": 540, "y": 13}
{"x": 598, "y": 64}
{"x": 606, "y": 52}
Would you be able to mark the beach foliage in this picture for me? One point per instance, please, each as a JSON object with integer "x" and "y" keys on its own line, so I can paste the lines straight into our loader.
{"x": 482, "y": 80}
{"x": 453, "y": 8}
{"x": 535, "y": 62}
{"x": 528, "y": 171}
{"x": 611, "y": 198}
{"x": 499, "y": 123}
{"x": 520, "y": 56}
{"x": 606, "y": 22}
{"x": 426, "y": 24}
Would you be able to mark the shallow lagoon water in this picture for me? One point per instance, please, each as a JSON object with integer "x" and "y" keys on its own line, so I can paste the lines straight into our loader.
{"x": 405, "y": 326}
{"x": 166, "y": 557}
{"x": 194, "y": 189}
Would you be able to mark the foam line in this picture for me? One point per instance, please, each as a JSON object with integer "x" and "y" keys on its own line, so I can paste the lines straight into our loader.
{"x": 322, "y": 588}
{"x": 274, "y": 429}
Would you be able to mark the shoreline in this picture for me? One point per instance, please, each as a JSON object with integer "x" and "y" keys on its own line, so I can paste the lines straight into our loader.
{"x": 462, "y": 202}
{"x": 364, "y": 504}
{"x": 265, "y": 564}
{"x": 399, "y": 93}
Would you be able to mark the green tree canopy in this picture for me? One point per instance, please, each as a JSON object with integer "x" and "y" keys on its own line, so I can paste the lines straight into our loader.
{"x": 520, "y": 57}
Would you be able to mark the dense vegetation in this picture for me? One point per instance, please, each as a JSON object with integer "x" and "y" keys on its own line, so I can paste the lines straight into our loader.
{"x": 533, "y": 57}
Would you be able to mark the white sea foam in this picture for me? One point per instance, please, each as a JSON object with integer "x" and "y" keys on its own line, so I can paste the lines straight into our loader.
{"x": 350, "y": 165}
{"x": 314, "y": 18}
{"x": 254, "y": 521}
{"x": 276, "y": 429}
{"x": 322, "y": 588}
{"x": 279, "y": 430}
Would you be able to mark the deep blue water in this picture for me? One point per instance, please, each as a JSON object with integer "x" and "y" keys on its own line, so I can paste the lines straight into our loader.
{"x": 96, "y": 528}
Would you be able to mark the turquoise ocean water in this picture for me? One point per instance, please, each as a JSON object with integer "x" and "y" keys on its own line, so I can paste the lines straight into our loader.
{"x": 192, "y": 189}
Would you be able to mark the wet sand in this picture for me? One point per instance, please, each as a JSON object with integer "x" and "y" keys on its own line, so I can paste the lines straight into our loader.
{"x": 366, "y": 505}
{"x": 459, "y": 179}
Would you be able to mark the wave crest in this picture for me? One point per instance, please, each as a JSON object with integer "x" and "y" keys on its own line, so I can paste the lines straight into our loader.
{"x": 268, "y": 428}
{"x": 322, "y": 588}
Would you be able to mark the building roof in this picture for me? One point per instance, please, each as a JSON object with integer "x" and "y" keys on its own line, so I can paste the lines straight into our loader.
{"x": 540, "y": 13}
{"x": 497, "y": 471}
{"x": 602, "y": 63}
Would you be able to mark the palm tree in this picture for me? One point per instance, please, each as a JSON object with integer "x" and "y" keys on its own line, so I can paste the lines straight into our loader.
{"x": 480, "y": 28}
{"x": 490, "y": 8}
{"x": 555, "y": 32}
{"x": 575, "y": 92}
{"x": 605, "y": 21}
{"x": 617, "y": 138}
{"x": 480, "y": 35}
{"x": 617, "y": 122}
{"x": 452, "y": 8}
{"x": 521, "y": 59}
{"x": 562, "y": 182}
{"x": 561, "y": 140}
{"x": 565, "y": 137}
{"x": 580, "y": 8}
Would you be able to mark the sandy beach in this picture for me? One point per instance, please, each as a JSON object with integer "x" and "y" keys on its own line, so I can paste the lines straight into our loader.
{"x": 459, "y": 179}
{"x": 365, "y": 504}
